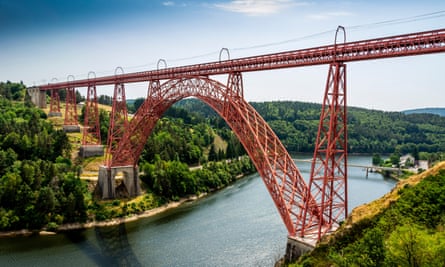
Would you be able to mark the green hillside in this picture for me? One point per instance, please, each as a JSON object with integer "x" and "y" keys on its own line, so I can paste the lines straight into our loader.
{"x": 369, "y": 131}
{"x": 406, "y": 227}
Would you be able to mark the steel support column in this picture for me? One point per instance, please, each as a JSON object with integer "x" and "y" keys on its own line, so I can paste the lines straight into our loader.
{"x": 54, "y": 106}
{"x": 118, "y": 121}
{"x": 71, "y": 124}
{"x": 328, "y": 180}
{"x": 70, "y": 107}
{"x": 91, "y": 130}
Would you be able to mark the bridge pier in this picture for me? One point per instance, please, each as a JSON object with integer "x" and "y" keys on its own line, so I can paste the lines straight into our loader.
{"x": 54, "y": 114}
{"x": 107, "y": 181}
{"x": 38, "y": 97}
{"x": 297, "y": 247}
{"x": 86, "y": 151}
{"x": 68, "y": 128}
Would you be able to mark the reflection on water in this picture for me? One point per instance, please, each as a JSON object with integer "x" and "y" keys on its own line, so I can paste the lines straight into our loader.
{"x": 112, "y": 248}
{"x": 114, "y": 245}
{"x": 237, "y": 226}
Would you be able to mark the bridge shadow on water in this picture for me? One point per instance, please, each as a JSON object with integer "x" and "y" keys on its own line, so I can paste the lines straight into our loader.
{"x": 112, "y": 248}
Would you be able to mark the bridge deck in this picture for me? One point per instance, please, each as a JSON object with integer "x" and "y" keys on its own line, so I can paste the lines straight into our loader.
{"x": 395, "y": 46}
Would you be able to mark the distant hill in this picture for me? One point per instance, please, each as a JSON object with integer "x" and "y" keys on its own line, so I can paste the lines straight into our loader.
{"x": 437, "y": 111}
{"x": 369, "y": 131}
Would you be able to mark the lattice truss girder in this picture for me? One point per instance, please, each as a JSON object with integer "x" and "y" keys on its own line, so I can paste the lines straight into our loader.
{"x": 91, "y": 130}
{"x": 279, "y": 172}
{"x": 70, "y": 107}
{"x": 328, "y": 184}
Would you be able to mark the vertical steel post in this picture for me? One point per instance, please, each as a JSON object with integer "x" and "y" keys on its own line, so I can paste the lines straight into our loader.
{"x": 118, "y": 121}
{"x": 328, "y": 180}
{"x": 55, "y": 102}
{"x": 91, "y": 130}
{"x": 70, "y": 107}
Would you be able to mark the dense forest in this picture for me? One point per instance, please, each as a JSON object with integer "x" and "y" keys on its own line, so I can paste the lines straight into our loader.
{"x": 369, "y": 131}
{"x": 409, "y": 232}
{"x": 37, "y": 182}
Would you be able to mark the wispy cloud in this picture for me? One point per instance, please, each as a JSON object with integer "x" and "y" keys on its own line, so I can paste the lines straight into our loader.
{"x": 174, "y": 4}
{"x": 168, "y": 3}
{"x": 257, "y": 7}
{"x": 329, "y": 15}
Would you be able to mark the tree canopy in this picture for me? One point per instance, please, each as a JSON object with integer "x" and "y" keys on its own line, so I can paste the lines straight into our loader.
{"x": 37, "y": 185}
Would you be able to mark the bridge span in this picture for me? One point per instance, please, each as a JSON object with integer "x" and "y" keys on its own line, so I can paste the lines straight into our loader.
{"x": 309, "y": 211}
{"x": 395, "y": 46}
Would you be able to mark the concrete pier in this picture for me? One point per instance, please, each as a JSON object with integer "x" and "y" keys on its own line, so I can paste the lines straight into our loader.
{"x": 296, "y": 247}
{"x": 55, "y": 114}
{"x": 107, "y": 181}
{"x": 91, "y": 151}
{"x": 71, "y": 128}
{"x": 38, "y": 97}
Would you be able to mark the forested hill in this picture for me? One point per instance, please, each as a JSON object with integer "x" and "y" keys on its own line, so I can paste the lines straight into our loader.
{"x": 369, "y": 131}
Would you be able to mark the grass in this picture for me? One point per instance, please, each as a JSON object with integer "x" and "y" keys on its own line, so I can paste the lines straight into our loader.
{"x": 92, "y": 164}
{"x": 219, "y": 143}
{"x": 119, "y": 208}
{"x": 373, "y": 208}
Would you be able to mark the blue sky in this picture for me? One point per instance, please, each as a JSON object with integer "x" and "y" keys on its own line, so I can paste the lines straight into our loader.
{"x": 50, "y": 39}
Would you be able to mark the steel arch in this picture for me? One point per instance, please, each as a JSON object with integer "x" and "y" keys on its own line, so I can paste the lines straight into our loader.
{"x": 277, "y": 169}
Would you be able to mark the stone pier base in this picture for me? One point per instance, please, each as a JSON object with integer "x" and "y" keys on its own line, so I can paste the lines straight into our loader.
{"x": 296, "y": 247}
{"x": 71, "y": 128}
{"x": 107, "y": 181}
{"x": 55, "y": 114}
{"x": 91, "y": 151}
{"x": 38, "y": 97}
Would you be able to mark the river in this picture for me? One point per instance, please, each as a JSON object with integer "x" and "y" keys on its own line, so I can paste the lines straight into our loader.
{"x": 237, "y": 226}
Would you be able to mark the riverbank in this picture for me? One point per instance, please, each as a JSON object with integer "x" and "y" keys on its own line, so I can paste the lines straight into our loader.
{"x": 111, "y": 222}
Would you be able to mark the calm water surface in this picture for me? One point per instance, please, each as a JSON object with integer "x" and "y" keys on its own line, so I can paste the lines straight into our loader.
{"x": 237, "y": 226}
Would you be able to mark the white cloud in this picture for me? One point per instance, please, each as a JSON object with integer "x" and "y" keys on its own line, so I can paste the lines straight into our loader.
{"x": 329, "y": 15}
{"x": 258, "y": 7}
{"x": 168, "y": 3}
{"x": 173, "y": 4}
